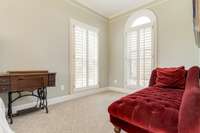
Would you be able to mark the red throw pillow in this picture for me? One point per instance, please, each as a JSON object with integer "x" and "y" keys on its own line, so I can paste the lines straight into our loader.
{"x": 171, "y": 77}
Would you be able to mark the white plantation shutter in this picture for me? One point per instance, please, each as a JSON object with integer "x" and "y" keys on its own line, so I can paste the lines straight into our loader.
{"x": 139, "y": 56}
{"x": 80, "y": 60}
{"x": 132, "y": 55}
{"x": 92, "y": 58}
{"x": 85, "y": 57}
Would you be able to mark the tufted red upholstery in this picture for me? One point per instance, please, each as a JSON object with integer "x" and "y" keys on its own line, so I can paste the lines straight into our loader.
{"x": 148, "y": 109}
{"x": 157, "y": 110}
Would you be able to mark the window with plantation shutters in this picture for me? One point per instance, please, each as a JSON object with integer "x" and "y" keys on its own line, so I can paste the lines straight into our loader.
{"x": 84, "y": 56}
{"x": 140, "y": 59}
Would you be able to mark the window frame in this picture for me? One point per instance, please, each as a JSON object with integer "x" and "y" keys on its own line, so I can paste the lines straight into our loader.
{"x": 129, "y": 28}
{"x": 150, "y": 23}
{"x": 72, "y": 54}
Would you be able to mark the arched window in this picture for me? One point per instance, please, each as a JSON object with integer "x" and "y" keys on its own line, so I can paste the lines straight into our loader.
{"x": 140, "y": 48}
{"x": 141, "y": 21}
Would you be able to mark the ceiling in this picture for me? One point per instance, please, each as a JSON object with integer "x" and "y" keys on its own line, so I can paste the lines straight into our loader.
{"x": 112, "y": 8}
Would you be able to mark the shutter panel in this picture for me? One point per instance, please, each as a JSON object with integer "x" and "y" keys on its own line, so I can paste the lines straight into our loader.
{"x": 145, "y": 55}
{"x": 132, "y": 39}
{"x": 85, "y": 60}
{"x": 80, "y": 58}
{"x": 139, "y": 57}
{"x": 92, "y": 59}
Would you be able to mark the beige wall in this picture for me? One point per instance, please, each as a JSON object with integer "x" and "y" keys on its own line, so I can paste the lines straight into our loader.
{"x": 34, "y": 34}
{"x": 176, "y": 44}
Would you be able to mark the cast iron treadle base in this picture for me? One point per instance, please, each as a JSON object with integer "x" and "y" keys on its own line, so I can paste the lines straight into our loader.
{"x": 26, "y": 111}
{"x": 43, "y": 104}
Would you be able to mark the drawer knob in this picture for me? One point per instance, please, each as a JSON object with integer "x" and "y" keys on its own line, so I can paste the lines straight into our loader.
{"x": 3, "y": 81}
{"x": 4, "y": 89}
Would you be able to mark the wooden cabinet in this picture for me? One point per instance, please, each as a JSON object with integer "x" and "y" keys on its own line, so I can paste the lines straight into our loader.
{"x": 35, "y": 82}
{"x": 26, "y": 80}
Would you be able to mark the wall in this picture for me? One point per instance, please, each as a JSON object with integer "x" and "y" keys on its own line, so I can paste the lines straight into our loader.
{"x": 176, "y": 45}
{"x": 199, "y": 56}
{"x": 34, "y": 34}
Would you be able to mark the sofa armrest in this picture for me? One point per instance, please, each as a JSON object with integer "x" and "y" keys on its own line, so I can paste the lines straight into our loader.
{"x": 153, "y": 78}
{"x": 189, "y": 114}
{"x": 192, "y": 80}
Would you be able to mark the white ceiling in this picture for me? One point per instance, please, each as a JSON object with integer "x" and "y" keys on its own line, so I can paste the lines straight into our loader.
{"x": 112, "y": 8}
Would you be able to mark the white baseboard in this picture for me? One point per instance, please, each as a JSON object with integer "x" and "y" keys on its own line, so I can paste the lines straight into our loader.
{"x": 52, "y": 101}
{"x": 120, "y": 90}
{"x": 123, "y": 90}
{"x": 56, "y": 100}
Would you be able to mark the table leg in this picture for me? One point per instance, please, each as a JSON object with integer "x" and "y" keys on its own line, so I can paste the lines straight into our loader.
{"x": 45, "y": 99}
{"x": 40, "y": 97}
{"x": 10, "y": 107}
{"x": 117, "y": 130}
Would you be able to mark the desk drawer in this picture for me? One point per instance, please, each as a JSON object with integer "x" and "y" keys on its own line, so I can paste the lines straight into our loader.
{"x": 4, "y": 80}
{"x": 28, "y": 82}
{"x": 4, "y": 88}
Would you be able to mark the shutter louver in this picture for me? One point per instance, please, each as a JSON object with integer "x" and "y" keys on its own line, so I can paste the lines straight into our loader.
{"x": 132, "y": 58}
{"x": 85, "y": 60}
{"x": 145, "y": 55}
{"x": 80, "y": 57}
{"x": 139, "y": 56}
{"x": 92, "y": 59}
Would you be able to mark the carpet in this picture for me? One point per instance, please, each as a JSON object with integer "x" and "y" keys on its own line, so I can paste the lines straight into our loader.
{"x": 84, "y": 115}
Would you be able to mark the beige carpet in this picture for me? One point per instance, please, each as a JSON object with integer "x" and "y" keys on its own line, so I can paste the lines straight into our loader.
{"x": 85, "y": 115}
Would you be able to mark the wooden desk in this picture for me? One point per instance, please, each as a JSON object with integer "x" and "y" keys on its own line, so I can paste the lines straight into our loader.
{"x": 34, "y": 82}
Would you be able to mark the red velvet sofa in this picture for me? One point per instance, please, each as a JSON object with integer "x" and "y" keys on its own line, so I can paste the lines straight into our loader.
{"x": 160, "y": 110}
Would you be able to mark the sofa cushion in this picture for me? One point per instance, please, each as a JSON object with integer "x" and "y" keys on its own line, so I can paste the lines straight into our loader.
{"x": 171, "y": 77}
{"x": 153, "y": 109}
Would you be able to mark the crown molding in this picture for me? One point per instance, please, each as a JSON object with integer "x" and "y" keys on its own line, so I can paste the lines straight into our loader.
{"x": 130, "y": 11}
{"x": 81, "y": 6}
{"x": 137, "y": 5}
